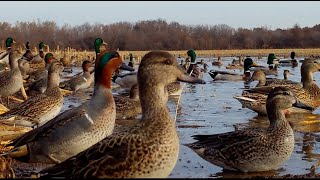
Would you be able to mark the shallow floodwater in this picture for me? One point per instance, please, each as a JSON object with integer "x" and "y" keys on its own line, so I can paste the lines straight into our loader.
{"x": 211, "y": 109}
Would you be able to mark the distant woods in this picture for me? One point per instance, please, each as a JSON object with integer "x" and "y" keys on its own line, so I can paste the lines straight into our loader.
{"x": 159, "y": 35}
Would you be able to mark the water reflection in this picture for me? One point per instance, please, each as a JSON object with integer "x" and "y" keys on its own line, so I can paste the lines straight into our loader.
{"x": 214, "y": 109}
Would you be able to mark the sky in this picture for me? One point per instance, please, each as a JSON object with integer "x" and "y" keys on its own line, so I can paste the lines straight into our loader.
{"x": 245, "y": 14}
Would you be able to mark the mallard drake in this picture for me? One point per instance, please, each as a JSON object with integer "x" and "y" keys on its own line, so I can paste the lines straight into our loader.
{"x": 229, "y": 76}
{"x": 260, "y": 76}
{"x": 309, "y": 94}
{"x": 40, "y": 77}
{"x": 28, "y": 54}
{"x": 76, "y": 129}
{"x": 41, "y": 108}
{"x": 39, "y": 58}
{"x": 4, "y": 56}
{"x": 11, "y": 80}
{"x": 253, "y": 149}
{"x": 149, "y": 149}
{"x": 128, "y": 107}
{"x": 82, "y": 81}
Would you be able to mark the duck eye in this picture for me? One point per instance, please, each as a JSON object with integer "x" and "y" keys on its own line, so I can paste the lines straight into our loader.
{"x": 315, "y": 62}
{"x": 168, "y": 62}
{"x": 286, "y": 93}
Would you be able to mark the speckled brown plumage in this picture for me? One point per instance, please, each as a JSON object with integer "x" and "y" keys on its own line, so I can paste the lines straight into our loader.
{"x": 253, "y": 149}
{"x": 39, "y": 108}
{"x": 149, "y": 149}
{"x": 309, "y": 94}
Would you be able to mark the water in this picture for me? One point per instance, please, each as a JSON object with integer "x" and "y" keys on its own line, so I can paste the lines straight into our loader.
{"x": 214, "y": 110}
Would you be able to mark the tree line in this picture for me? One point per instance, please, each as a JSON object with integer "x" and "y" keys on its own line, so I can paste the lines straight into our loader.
{"x": 160, "y": 35}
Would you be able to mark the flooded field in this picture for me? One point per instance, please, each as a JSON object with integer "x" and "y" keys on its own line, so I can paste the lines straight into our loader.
{"x": 211, "y": 109}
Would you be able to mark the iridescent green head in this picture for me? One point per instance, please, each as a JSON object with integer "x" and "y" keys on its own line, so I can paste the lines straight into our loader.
{"x": 9, "y": 42}
{"x": 193, "y": 55}
{"x": 48, "y": 58}
{"x": 97, "y": 43}
{"x": 41, "y": 45}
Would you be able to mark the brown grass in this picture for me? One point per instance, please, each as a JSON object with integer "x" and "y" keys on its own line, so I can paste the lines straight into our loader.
{"x": 81, "y": 55}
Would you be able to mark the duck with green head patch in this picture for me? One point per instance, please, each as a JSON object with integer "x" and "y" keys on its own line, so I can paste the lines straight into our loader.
{"x": 148, "y": 149}
{"x": 40, "y": 57}
{"x": 229, "y": 76}
{"x": 4, "y": 56}
{"x": 76, "y": 129}
{"x": 193, "y": 67}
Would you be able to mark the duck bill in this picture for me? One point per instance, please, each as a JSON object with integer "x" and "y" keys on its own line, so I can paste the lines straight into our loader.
{"x": 255, "y": 65}
{"x": 191, "y": 79}
{"x": 301, "y": 105}
{"x": 126, "y": 67}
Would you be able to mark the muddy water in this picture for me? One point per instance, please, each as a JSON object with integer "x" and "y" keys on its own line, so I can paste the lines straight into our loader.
{"x": 211, "y": 109}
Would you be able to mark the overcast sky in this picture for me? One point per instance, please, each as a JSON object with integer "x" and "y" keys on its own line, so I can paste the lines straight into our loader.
{"x": 246, "y": 14}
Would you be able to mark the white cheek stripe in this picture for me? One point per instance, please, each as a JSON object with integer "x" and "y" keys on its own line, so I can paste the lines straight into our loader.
{"x": 89, "y": 118}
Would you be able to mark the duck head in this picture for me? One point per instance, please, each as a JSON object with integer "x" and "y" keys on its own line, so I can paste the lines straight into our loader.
{"x": 287, "y": 73}
{"x": 9, "y": 42}
{"x": 98, "y": 43}
{"x": 281, "y": 99}
{"x": 248, "y": 62}
{"x": 160, "y": 67}
{"x": 42, "y": 45}
{"x": 48, "y": 58}
{"x": 56, "y": 67}
{"x": 87, "y": 66}
{"x": 106, "y": 64}
{"x": 27, "y": 45}
{"x": 192, "y": 54}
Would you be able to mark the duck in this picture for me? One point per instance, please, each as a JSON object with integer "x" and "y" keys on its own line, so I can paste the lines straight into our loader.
{"x": 78, "y": 128}
{"x": 39, "y": 58}
{"x": 24, "y": 67}
{"x": 125, "y": 81}
{"x": 128, "y": 107}
{"x": 148, "y": 150}
{"x": 218, "y": 62}
{"x": 174, "y": 89}
{"x": 253, "y": 149}
{"x": 11, "y": 80}
{"x": 82, "y": 81}
{"x": 260, "y": 76}
{"x": 236, "y": 64}
{"x": 309, "y": 94}
{"x": 229, "y": 76}
{"x": 28, "y": 54}
{"x": 41, "y": 108}
{"x": 39, "y": 78}
{"x": 4, "y": 56}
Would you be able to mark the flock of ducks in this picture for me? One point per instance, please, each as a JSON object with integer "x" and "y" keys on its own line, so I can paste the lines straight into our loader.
{"x": 85, "y": 141}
